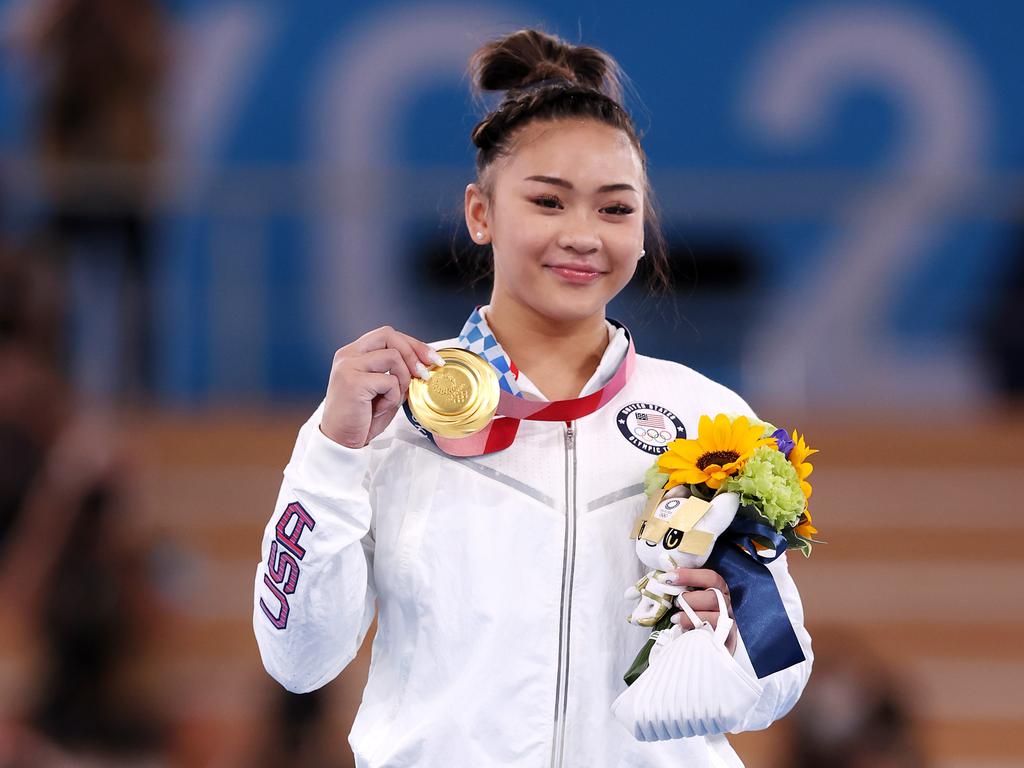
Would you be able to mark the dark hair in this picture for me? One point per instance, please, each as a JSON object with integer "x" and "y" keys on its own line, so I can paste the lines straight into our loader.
{"x": 545, "y": 78}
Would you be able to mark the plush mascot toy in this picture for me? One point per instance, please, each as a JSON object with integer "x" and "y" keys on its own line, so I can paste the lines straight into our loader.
{"x": 677, "y": 530}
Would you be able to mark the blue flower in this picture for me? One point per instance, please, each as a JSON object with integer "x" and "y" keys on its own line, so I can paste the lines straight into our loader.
{"x": 784, "y": 441}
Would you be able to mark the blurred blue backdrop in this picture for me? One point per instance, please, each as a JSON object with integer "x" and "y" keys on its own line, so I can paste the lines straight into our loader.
{"x": 839, "y": 182}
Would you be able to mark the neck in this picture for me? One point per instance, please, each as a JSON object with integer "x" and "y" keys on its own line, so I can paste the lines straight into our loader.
{"x": 558, "y": 356}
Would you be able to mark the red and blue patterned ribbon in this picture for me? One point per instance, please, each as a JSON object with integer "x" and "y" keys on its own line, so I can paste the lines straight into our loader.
{"x": 513, "y": 408}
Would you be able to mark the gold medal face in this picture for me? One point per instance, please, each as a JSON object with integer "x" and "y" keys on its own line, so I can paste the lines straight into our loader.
{"x": 449, "y": 390}
{"x": 460, "y": 398}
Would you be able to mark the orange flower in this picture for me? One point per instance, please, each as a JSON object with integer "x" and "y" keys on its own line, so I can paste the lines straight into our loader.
{"x": 805, "y": 529}
{"x": 721, "y": 449}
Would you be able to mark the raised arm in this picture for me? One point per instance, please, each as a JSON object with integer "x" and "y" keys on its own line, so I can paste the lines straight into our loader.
{"x": 314, "y": 594}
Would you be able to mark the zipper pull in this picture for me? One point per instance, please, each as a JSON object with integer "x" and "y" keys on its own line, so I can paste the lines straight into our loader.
{"x": 570, "y": 435}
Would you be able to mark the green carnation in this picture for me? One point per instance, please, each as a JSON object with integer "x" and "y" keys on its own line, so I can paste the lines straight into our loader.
{"x": 654, "y": 480}
{"x": 770, "y": 483}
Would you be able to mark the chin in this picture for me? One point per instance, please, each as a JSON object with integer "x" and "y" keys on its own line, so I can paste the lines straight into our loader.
{"x": 569, "y": 304}
{"x": 570, "y": 309}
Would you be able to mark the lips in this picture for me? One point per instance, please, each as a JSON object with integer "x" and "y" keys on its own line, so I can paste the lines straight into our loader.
{"x": 576, "y": 273}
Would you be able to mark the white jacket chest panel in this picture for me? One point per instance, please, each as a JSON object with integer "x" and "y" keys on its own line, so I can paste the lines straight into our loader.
{"x": 442, "y": 523}
{"x": 470, "y": 560}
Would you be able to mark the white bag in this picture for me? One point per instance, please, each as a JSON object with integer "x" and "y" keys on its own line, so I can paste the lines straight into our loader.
{"x": 692, "y": 686}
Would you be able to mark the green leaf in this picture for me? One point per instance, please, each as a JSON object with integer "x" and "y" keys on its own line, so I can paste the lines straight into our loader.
{"x": 795, "y": 541}
{"x": 642, "y": 660}
{"x": 702, "y": 492}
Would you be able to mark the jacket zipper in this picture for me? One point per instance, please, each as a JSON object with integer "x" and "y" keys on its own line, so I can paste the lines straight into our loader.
{"x": 565, "y": 618}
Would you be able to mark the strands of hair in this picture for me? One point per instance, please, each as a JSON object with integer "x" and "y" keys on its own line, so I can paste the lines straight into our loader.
{"x": 529, "y": 56}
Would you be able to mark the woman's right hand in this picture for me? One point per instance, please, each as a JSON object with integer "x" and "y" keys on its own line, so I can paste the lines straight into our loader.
{"x": 369, "y": 379}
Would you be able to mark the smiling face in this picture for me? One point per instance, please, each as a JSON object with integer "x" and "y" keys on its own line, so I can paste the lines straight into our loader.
{"x": 563, "y": 212}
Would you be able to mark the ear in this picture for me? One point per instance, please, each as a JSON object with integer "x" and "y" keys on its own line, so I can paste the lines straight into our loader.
{"x": 477, "y": 207}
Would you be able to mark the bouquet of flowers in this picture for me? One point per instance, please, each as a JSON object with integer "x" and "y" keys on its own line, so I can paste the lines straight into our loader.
{"x": 739, "y": 491}
{"x": 765, "y": 466}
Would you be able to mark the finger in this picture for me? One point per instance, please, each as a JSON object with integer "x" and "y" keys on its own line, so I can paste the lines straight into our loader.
{"x": 705, "y": 600}
{"x": 413, "y": 350}
{"x": 385, "y": 361}
{"x": 711, "y": 617}
{"x": 699, "y": 600}
{"x": 383, "y": 389}
{"x": 419, "y": 357}
{"x": 426, "y": 353}
{"x": 406, "y": 347}
{"x": 386, "y": 405}
{"x": 384, "y": 410}
{"x": 697, "y": 578}
{"x": 369, "y": 341}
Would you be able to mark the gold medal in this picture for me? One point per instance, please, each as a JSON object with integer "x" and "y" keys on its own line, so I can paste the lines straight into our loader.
{"x": 460, "y": 398}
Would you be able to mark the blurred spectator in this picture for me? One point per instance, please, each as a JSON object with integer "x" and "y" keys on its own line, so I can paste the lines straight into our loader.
{"x": 854, "y": 712}
{"x": 70, "y": 571}
{"x": 103, "y": 63}
{"x": 31, "y": 397}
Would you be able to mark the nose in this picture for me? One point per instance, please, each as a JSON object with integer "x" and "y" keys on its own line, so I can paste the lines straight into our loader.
{"x": 578, "y": 235}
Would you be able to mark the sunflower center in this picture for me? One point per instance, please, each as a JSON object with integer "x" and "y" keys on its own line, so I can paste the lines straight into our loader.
{"x": 721, "y": 458}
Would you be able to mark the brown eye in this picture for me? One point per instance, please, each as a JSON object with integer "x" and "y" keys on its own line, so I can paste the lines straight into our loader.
{"x": 547, "y": 201}
{"x": 618, "y": 210}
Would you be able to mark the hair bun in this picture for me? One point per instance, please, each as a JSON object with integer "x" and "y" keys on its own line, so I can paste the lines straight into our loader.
{"x": 529, "y": 56}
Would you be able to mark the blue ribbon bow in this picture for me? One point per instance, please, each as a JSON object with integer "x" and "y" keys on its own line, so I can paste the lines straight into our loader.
{"x": 757, "y": 606}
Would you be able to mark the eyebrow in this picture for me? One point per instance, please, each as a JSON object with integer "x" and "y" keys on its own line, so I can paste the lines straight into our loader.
{"x": 568, "y": 184}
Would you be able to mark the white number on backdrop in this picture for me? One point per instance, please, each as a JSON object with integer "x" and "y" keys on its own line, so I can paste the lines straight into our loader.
{"x": 358, "y": 103}
{"x": 826, "y": 338}
{"x": 218, "y": 52}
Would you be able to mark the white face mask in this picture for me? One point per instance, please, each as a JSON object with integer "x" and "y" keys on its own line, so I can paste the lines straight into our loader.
{"x": 693, "y": 686}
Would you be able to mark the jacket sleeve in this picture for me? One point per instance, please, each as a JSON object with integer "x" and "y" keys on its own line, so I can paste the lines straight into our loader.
{"x": 314, "y": 593}
{"x": 783, "y": 688}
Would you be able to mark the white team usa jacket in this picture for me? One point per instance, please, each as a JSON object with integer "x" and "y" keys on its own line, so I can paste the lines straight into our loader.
{"x": 498, "y": 585}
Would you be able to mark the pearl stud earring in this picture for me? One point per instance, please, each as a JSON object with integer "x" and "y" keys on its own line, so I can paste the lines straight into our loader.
{"x": 479, "y": 235}
{"x": 642, "y": 253}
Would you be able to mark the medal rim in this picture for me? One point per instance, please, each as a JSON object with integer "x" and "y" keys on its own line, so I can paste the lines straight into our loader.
{"x": 480, "y": 408}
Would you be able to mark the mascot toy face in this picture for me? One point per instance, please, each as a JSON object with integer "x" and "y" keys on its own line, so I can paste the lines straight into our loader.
{"x": 681, "y": 529}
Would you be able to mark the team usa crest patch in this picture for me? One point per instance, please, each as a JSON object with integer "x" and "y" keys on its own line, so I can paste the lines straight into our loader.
{"x": 649, "y": 427}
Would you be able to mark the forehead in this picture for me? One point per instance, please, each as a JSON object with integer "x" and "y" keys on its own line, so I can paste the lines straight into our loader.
{"x": 585, "y": 152}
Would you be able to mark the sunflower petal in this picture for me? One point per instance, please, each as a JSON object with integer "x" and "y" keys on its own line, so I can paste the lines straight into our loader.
{"x": 687, "y": 476}
{"x": 722, "y": 432}
{"x": 689, "y": 450}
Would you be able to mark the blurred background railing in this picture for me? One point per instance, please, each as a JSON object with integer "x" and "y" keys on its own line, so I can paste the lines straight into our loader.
{"x": 201, "y": 200}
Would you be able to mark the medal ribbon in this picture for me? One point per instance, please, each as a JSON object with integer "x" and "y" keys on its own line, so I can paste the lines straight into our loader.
{"x": 513, "y": 408}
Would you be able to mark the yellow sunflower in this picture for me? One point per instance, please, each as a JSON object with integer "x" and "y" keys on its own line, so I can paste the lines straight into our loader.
{"x": 721, "y": 449}
{"x": 798, "y": 458}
